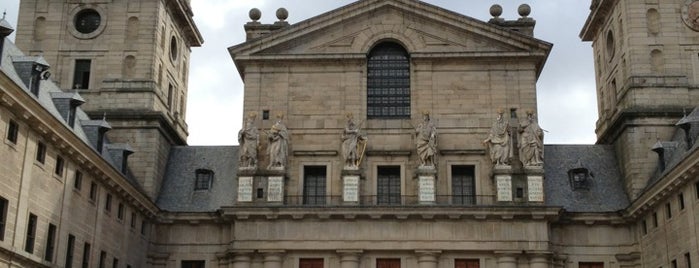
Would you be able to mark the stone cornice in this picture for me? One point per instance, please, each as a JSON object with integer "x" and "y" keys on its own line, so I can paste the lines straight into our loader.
{"x": 183, "y": 16}
{"x": 31, "y": 111}
{"x": 596, "y": 19}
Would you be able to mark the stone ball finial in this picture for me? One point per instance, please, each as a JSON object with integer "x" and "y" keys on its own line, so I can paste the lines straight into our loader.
{"x": 524, "y": 10}
{"x": 496, "y": 10}
{"x": 255, "y": 14}
{"x": 282, "y": 14}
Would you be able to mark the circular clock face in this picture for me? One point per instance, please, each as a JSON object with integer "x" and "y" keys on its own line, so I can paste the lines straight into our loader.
{"x": 87, "y": 21}
{"x": 690, "y": 14}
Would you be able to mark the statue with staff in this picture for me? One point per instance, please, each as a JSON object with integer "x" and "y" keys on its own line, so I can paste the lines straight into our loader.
{"x": 353, "y": 143}
{"x": 426, "y": 141}
{"x": 278, "y": 147}
{"x": 248, "y": 138}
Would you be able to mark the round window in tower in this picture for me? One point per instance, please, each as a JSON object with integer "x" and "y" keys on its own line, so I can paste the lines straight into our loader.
{"x": 173, "y": 48}
{"x": 87, "y": 21}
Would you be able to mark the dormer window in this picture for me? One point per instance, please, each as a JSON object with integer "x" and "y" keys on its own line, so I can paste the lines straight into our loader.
{"x": 579, "y": 178}
{"x": 204, "y": 179}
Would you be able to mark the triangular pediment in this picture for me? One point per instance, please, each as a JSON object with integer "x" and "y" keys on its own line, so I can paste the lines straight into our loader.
{"x": 422, "y": 28}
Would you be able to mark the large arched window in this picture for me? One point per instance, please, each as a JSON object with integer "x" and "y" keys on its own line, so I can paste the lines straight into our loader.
{"x": 388, "y": 82}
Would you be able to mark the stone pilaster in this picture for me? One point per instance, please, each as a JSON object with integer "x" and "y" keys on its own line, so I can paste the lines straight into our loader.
{"x": 349, "y": 258}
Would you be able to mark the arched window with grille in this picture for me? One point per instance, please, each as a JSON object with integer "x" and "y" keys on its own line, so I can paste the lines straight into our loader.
{"x": 388, "y": 82}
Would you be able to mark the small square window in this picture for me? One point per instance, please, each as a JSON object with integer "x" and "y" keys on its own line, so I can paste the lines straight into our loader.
{"x": 204, "y": 178}
{"x": 13, "y": 131}
{"x": 41, "y": 152}
{"x": 59, "y": 166}
{"x": 78, "y": 180}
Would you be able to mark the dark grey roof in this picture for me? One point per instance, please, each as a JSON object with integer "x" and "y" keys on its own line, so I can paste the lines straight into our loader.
{"x": 678, "y": 148}
{"x": 606, "y": 190}
{"x": 177, "y": 193}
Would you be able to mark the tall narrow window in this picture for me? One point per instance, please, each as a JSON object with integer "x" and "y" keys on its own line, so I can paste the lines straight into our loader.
{"x": 133, "y": 219}
{"x": 688, "y": 260}
{"x": 103, "y": 259}
{"x": 388, "y": 82}
{"x": 655, "y": 219}
{"x": 314, "y": 185}
{"x": 170, "y": 92}
{"x": 644, "y": 227}
{"x": 12, "y": 131}
{"x": 463, "y": 185}
{"x": 3, "y": 217}
{"x": 108, "y": 203}
{"x": 50, "y": 243}
{"x": 70, "y": 250}
{"x": 680, "y": 200}
{"x": 467, "y": 263}
{"x": 668, "y": 210}
{"x": 81, "y": 74}
{"x": 31, "y": 234}
{"x": 78, "y": 180}
{"x": 388, "y": 185}
{"x": 120, "y": 211}
{"x": 674, "y": 264}
{"x": 115, "y": 263}
{"x": 60, "y": 163}
{"x": 72, "y": 113}
{"x": 93, "y": 191}
{"x": 204, "y": 179}
{"x": 86, "y": 255}
{"x": 311, "y": 263}
{"x": 144, "y": 224}
{"x": 193, "y": 264}
{"x": 41, "y": 152}
{"x": 387, "y": 263}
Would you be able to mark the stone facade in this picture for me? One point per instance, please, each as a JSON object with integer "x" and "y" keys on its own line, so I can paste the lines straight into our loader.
{"x": 386, "y": 62}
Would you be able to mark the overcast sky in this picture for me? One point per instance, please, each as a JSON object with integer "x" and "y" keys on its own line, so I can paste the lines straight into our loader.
{"x": 566, "y": 87}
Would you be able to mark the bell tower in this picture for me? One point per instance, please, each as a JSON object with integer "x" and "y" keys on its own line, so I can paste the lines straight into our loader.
{"x": 129, "y": 59}
{"x": 647, "y": 73}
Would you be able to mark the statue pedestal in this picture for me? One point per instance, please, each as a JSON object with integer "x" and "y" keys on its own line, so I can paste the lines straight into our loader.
{"x": 503, "y": 183}
{"x": 535, "y": 183}
{"x": 245, "y": 188}
{"x": 426, "y": 176}
{"x": 275, "y": 185}
{"x": 351, "y": 177}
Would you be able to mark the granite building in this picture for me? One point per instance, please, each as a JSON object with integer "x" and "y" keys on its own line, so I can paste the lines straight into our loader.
{"x": 382, "y": 134}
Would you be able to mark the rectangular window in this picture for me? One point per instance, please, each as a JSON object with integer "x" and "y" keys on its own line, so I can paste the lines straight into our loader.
{"x": 120, "y": 211}
{"x": 41, "y": 152}
{"x": 467, "y": 263}
{"x": 78, "y": 180}
{"x": 387, "y": 263}
{"x": 108, "y": 203}
{"x": 50, "y": 243}
{"x": 388, "y": 185}
{"x": 463, "y": 185}
{"x": 673, "y": 264}
{"x": 311, "y": 263}
{"x": 680, "y": 200}
{"x": 170, "y": 92}
{"x": 103, "y": 259}
{"x": 133, "y": 219}
{"x": 31, "y": 234}
{"x": 3, "y": 217}
{"x": 591, "y": 265}
{"x": 93, "y": 191}
{"x": 59, "y": 166}
{"x": 688, "y": 260}
{"x": 115, "y": 263}
{"x": 204, "y": 179}
{"x": 144, "y": 224}
{"x": 70, "y": 250}
{"x": 668, "y": 210}
{"x": 71, "y": 114}
{"x": 655, "y": 219}
{"x": 86, "y": 256}
{"x": 81, "y": 74}
{"x": 12, "y": 131}
{"x": 314, "y": 185}
{"x": 696, "y": 189}
{"x": 193, "y": 264}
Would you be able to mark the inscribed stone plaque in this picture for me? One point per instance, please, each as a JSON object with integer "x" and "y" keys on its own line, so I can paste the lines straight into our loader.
{"x": 426, "y": 191}
{"x": 504, "y": 184}
{"x": 350, "y": 188}
{"x": 275, "y": 189}
{"x": 244, "y": 189}
{"x": 535, "y": 184}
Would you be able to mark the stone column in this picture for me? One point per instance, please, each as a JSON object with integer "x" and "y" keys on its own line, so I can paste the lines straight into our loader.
{"x": 539, "y": 261}
{"x": 242, "y": 259}
{"x": 272, "y": 258}
{"x": 427, "y": 258}
{"x": 349, "y": 258}
{"x": 506, "y": 260}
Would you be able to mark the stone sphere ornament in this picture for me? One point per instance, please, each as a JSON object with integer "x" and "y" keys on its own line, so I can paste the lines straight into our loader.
{"x": 282, "y": 14}
{"x": 524, "y": 10}
{"x": 255, "y": 14}
{"x": 496, "y": 10}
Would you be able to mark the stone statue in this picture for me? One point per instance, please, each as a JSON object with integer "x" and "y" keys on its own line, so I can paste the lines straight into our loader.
{"x": 278, "y": 137}
{"x": 248, "y": 138}
{"x": 531, "y": 145}
{"x": 353, "y": 144}
{"x": 498, "y": 141}
{"x": 426, "y": 141}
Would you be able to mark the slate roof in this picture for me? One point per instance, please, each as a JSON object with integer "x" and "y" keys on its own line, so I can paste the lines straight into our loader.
{"x": 677, "y": 149}
{"x": 177, "y": 193}
{"x": 606, "y": 190}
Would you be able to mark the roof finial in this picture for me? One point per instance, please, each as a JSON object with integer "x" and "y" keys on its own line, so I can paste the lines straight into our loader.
{"x": 4, "y": 13}
{"x": 104, "y": 116}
